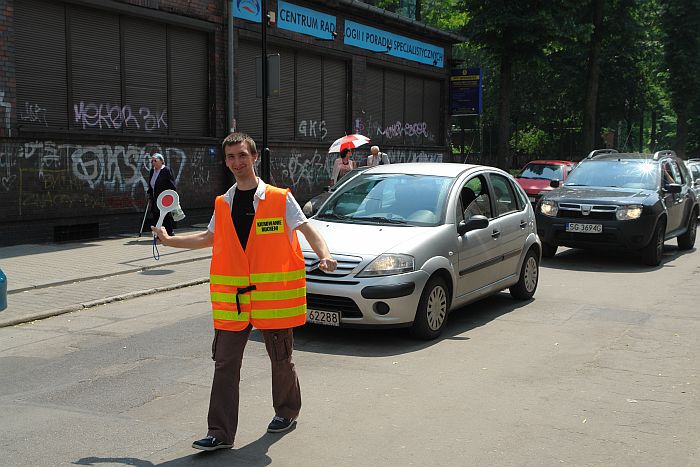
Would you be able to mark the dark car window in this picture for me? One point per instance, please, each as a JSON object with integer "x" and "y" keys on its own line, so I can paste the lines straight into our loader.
{"x": 475, "y": 198}
{"x": 695, "y": 170}
{"x": 640, "y": 174}
{"x": 504, "y": 197}
{"x": 543, "y": 171}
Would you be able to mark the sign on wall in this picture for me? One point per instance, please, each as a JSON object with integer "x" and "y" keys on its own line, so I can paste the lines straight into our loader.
{"x": 465, "y": 91}
{"x": 376, "y": 40}
{"x": 247, "y": 9}
{"x": 305, "y": 21}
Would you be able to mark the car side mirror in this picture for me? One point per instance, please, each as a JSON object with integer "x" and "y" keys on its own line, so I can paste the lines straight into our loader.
{"x": 475, "y": 222}
{"x": 555, "y": 183}
{"x": 673, "y": 188}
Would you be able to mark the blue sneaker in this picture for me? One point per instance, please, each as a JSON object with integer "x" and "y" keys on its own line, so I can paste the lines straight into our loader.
{"x": 210, "y": 444}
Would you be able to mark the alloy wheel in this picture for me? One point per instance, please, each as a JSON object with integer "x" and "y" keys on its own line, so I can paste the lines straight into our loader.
{"x": 436, "y": 308}
{"x": 530, "y": 275}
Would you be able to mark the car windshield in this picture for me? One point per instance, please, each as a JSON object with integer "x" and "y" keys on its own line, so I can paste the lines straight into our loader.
{"x": 347, "y": 176}
{"x": 543, "y": 171}
{"x": 398, "y": 199}
{"x": 616, "y": 173}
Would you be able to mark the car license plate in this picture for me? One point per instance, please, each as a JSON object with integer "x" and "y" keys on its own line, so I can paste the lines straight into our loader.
{"x": 584, "y": 228}
{"x": 328, "y": 318}
{"x": 533, "y": 199}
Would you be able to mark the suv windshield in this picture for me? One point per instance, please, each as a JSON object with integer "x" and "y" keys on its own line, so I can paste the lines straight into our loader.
{"x": 389, "y": 199}
{"x": 640, "y": 174}
{"x": 543, "y": 171}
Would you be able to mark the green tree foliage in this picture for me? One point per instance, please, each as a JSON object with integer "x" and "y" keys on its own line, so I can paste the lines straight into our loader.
{"x": 516, "y": 33}
{"x": 537, "y": 58}
{"x": 681, "y": 26}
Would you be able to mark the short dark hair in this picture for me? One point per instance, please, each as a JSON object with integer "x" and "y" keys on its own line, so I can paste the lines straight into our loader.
{"x": 238, "y": 138}
{"x": 344, "y": 152}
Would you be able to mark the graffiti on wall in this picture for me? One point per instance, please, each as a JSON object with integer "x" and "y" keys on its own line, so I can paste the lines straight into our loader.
{"x": 396, "y": 130}
{"x": 37, "y": 175}
{"x": 109, "y": 116}
{"x": 308, "y": 171}
{"x": 32, "y": 113}
{"x": 313, "y": 128}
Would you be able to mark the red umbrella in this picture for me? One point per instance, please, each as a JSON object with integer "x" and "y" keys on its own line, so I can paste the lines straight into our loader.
{"x": 348, "y": 141}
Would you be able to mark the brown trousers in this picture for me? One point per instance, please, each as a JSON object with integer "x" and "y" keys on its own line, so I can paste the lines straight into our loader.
{"x": 227, "y": 352}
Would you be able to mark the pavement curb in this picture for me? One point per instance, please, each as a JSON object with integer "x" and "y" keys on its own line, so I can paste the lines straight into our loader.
{"x": 101, "y": 301}
{"x": 102, "y": 276}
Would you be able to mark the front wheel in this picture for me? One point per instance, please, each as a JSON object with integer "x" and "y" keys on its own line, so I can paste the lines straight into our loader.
{"x": 687, "y": 240}
{"x": 529, "y": 274}
{"x": 653, "y": 252}
{"x": 433, "y": 306}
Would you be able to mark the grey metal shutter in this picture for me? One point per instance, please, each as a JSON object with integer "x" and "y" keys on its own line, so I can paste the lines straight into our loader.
{"x": 308, "y": 98}
{"x": 432, "y": 106}
{"x": 145, "y": 75}
{"x": 414, "y": 124}
{"x": 188, "y": 54}
{"x": 42, "y": 91}
{"x": 335, "y": 100}
{"x": 95, "y": 69}
{"x": 280, "y": 109}
{"x": 393, "y": 107}
{"x": 374, "y": 104}
{"x": 249, "y": 111}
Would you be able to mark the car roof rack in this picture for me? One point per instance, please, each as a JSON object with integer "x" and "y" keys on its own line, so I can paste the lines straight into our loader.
{"x": 663, "y": 153}
{"x": 597, "y": 152}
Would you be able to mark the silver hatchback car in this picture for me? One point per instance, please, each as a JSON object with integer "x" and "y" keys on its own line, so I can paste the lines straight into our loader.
{"x": 414, "y": 241}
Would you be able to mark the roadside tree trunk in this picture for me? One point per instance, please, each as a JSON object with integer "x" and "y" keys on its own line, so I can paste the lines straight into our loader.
{"x": 592, "y": 82}
{"x": 505, "y": 85}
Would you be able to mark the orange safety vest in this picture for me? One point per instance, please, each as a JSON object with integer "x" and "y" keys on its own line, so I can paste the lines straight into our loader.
{"x": 265, "y": 285}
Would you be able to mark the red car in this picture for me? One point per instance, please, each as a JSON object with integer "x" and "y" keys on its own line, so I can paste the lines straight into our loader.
{"x": 537, "y": 175}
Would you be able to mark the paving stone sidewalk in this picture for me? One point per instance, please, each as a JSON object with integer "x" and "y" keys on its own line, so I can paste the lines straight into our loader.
{"x": 49, "y": 279}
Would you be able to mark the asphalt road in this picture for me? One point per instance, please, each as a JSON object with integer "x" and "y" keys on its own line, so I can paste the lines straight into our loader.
{"x": 601, "y": 368}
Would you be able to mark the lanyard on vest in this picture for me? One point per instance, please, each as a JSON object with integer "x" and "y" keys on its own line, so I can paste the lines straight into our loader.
{"x": 240, "y": 291}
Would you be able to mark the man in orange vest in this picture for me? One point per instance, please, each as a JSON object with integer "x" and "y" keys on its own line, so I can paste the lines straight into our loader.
{"x": 257, "y": 279}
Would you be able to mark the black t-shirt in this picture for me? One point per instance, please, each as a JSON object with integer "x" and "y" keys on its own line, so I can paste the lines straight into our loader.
{"x": 242, "y": 213}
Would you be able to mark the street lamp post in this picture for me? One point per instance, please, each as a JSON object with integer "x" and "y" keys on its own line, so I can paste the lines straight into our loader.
{"x": 265, "y": 160}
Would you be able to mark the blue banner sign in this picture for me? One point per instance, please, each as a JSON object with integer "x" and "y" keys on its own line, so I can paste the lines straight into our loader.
{"x": 376, "y": 40}
{"x": 465, "y": 91}
{"x": 305, "y": 21}
{"x": 247, "y": 9}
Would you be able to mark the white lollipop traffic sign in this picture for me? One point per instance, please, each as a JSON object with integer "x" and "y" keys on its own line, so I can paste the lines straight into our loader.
{"x": 168, "y": 201}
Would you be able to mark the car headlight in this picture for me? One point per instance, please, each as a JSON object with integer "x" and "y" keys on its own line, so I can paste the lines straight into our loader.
{"x": 388, "y": 264}
{"x": 627, "y": 213}
{"x": 549, "y": 208}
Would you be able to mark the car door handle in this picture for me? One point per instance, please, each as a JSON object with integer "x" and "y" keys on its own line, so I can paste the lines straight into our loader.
{"x": 523, "y": 224}
{"x": 496, "y": 234}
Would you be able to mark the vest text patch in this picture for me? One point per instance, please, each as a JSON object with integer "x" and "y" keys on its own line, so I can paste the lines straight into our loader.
{"x": 269, "y": 225}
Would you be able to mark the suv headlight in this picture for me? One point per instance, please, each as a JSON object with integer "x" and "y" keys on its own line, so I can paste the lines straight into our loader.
{"x": 388, "y": 264}
{"x": 549, "y": 208}
{"x": 627, "y": 213}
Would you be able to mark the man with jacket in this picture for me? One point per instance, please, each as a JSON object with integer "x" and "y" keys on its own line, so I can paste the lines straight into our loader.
{"x": 160, "y": 178}
{"x": 257, "y": 279}
{"x": 376, "y": 157}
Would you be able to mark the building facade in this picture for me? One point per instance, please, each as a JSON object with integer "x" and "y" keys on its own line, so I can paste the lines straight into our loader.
{"x": 90, "y": 89}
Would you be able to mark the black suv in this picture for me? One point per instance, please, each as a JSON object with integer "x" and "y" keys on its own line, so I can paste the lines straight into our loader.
{"x": 615, "y": 200}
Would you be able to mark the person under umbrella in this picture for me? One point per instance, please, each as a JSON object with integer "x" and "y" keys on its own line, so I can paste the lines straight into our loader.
{"x": 342, "y": 165}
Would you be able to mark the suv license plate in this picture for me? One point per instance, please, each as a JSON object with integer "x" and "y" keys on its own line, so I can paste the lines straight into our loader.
{"x": 584, "y": 228}
{"x": 327, "y": 318}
